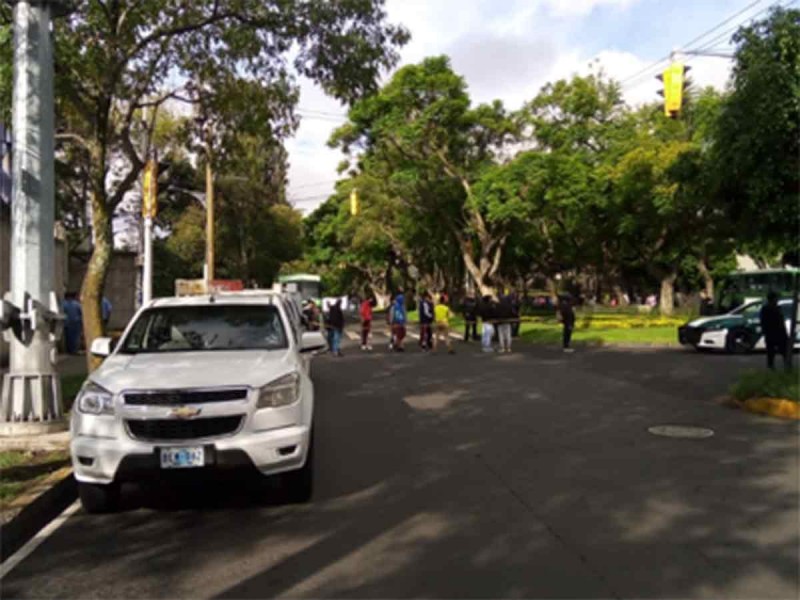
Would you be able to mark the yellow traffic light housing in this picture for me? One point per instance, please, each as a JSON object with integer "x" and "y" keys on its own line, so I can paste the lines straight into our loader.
{"x": 674, "y": 78}
{"x": 354, "y": 204}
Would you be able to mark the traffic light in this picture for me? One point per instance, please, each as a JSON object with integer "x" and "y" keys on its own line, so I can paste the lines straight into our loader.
{"x": 674, "y": 79}
{"x": 354, "y": 205}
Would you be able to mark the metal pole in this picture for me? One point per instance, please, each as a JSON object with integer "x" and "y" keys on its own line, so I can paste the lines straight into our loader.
{"x": 209, "y": 217}
{"x": 147, "y": 274}
{"x": 31, "y": 395}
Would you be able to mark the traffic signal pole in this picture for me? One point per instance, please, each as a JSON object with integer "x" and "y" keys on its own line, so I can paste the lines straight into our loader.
{"x": 29, "y": 314}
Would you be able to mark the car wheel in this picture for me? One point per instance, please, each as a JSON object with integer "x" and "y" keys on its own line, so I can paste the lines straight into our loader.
{"x": 738, "y": 342}
{"x": 299, "y": 484}
{"x": 98, "y": 498}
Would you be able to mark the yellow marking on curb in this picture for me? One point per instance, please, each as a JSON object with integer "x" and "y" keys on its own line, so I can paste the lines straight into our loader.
{"x": 774, "y": 407}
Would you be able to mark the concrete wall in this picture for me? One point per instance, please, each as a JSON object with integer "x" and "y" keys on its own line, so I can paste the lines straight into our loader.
{"x": 120, "y": 284}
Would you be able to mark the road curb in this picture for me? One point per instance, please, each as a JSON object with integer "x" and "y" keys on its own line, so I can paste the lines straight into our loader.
{"x": 774, "y": 407}
{"x": 40, "y": 506}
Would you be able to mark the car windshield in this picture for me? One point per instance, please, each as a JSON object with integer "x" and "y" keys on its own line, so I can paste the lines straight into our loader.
{"x": 748, "y": 310}
{"x": 206, "y": 328}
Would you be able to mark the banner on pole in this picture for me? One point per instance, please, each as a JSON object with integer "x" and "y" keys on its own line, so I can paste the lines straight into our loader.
{"x": 150, "y": 189}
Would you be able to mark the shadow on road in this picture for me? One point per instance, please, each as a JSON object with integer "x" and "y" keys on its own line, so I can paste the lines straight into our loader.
{"x": 529, "y": 475}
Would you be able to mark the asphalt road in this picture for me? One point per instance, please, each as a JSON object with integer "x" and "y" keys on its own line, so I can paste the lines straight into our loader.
{"x": 523, "y": 475}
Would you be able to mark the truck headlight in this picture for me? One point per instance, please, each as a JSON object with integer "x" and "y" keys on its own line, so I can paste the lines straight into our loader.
{"x": 95, "y": 400}
{"x": 281, "y": 392}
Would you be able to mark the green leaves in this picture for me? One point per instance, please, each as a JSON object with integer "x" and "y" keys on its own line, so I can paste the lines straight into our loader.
{"x": 758, "y": 134}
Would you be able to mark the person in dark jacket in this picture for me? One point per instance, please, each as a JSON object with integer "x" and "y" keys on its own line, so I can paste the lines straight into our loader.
{"x": 486, "y": 311}
{"x": 567, "y": 317}
{"x": 773, "y": 328}
{"x": 515, "y": 310}
{"x": 426, "y": 322}
{"x": 336, "y": 320}
{"x": 470, "y": 310}
{"x": 505, "y": 316}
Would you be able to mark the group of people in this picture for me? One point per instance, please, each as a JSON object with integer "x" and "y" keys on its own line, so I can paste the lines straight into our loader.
{"x": 499, "y": 319}
{"x": 434, "y": 322}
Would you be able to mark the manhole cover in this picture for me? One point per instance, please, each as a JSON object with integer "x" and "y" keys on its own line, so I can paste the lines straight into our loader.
{"x": 681, "y": 431}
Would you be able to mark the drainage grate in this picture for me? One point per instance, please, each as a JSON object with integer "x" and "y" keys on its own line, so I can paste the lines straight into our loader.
{"x": 681, "y": 431}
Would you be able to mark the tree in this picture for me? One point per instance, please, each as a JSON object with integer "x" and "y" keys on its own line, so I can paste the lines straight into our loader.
{"x": 757, "y": 141}
{"x": 573, "y": 128}
{"x": 116, "y": 63}
{"x": 663, "y": 196}
{"x": 422, "y": 127}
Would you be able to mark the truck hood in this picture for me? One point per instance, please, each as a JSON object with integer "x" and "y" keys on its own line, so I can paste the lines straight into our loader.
{"x": 181, "y": 370}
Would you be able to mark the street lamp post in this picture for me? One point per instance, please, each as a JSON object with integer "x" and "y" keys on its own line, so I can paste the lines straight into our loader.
{"x": 29, "y": 314}
{"x": 209, "y": 213}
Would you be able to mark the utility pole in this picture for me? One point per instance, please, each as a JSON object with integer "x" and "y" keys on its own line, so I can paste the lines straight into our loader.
{"x": 29, "y": 314}
{"x": 209, "y": 211}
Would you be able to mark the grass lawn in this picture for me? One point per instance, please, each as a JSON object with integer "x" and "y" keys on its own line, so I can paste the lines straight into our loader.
{"x": 21, "y": 470}
{"x": 598, "y": 330}
{"x": 768, "y": 384}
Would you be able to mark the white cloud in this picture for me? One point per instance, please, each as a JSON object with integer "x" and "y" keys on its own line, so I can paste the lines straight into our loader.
{"x": 581, "y": 8}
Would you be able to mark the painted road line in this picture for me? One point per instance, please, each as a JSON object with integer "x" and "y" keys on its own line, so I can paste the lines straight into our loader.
{"x": 24, "y": 552}
{"x": 352, "y": 335}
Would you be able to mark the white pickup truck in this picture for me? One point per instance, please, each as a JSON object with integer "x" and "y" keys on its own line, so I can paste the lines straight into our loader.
{"x": 203, "y": 382}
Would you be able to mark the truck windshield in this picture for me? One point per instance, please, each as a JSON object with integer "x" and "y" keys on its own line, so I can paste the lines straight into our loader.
{"x": 206, "y": 328}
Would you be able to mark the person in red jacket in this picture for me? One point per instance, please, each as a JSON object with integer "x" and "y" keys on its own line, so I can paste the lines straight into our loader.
{"x": 366, "y": 323}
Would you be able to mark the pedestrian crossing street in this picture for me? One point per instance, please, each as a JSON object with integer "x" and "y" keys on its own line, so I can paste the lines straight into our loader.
{"x": 355, "y": 336}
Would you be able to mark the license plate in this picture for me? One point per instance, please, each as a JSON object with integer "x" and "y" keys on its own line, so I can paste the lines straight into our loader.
{"x": 182, "y": 458}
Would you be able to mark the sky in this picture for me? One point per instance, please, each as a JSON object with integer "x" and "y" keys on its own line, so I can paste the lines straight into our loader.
{"x": 508, "y": 49}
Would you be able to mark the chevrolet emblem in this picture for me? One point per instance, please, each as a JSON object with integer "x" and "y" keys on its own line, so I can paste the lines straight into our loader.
{"x": 185, "y": 412}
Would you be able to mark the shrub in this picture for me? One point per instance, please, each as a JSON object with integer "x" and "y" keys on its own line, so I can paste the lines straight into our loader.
{"x": 768, "y": 384}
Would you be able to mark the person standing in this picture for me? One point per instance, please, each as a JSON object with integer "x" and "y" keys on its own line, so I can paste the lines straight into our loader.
{"x": 515, "y": 311}
{"x": 774, "y": 329}
{"x": 105, "y": 312}
{"x": 470, "y": 310}
{"x": 487, "y": 315}
{"x": 505, "y": 315}
{"x": 426, "y": 322}
{"x": 399, "y": 321}
{"x": 336, "y": 320}
{"x": 567, "y": 318}
{"x": 73, "y": 322}
{"x": 442, "y": 315}
{"x": 366, "y": 323}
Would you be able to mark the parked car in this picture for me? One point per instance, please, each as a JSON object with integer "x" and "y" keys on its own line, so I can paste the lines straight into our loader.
{"x": 199, "y": 382}
{"x": 735, "y": 332}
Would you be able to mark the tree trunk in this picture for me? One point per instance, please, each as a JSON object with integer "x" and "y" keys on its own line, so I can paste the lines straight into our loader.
{"x": 482, "y": 271}
{"x": 95, "y": 278}
{"x": 667, "y": 303}
{"x": 707, "y": 278}
{"x": 552, "y": 289}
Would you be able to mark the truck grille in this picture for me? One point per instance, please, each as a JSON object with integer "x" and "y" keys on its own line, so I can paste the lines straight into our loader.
{"x": 174, "y": 429}
{"x": 179, "y": 397}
